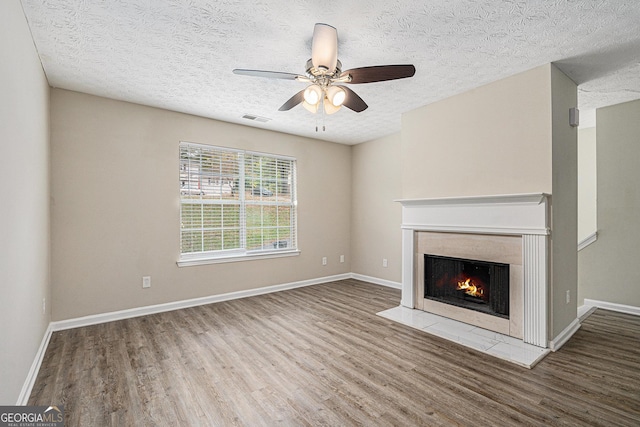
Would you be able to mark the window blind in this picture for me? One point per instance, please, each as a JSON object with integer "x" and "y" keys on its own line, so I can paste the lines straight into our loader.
{"x": 235, "y": 202}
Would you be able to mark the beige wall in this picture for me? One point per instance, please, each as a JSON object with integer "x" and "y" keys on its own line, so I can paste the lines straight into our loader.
{"x": 587, "y": 183}
{"x": 24, "y": 210}
{"x": 511, "y": 136}
{"x": 608, "y": 268}
{"x": 564, "y": 205}
{"x": 375, "y": 217}
{"x": 115, "y": 206}
{"x": 491, "y": 140}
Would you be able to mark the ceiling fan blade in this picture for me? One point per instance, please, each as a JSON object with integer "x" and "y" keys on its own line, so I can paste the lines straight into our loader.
{"x": 352, "y": 101}
{"x": 324, "y": 48}
{"x": 267, "y": 74}
{"x": 293, "y": 101}
{"x": 379, "y": 73}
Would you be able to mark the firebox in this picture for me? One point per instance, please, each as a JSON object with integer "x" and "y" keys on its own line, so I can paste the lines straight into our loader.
{"x": 476, "y": 285}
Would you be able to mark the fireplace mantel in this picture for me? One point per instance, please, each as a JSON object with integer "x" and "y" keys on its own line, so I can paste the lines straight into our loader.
{"x": 514, "y": 214}
{"x": 525, "y": 215}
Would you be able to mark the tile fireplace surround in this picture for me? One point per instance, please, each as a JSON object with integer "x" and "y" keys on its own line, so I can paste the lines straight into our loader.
{"x": 525, "y": 217}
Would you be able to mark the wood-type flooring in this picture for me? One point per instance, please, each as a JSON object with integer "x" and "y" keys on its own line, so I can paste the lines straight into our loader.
{"x": 319, "y": 356}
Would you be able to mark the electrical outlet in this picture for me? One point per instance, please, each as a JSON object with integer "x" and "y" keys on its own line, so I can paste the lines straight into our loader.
{"x": 146, "y": 282}
{"x": 341, "y": 258}
{"x": 44, "y": 306}
{"x": 384, "y": 263}
{"x": 568, "y": 297}
{"x": 324, "y": 260}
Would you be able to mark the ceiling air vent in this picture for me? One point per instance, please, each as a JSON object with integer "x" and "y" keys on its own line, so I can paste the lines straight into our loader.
{"x": 256, "y": 118}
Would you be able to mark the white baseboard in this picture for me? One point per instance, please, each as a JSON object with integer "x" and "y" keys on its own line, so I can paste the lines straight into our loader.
{"x": 622, "y": 308}
{"x": 377, "y": 281}
{"x": 564, "y": 336}
{"x": 591, "y": 238}
{"x": 585, "y": 311}
{"x": 23, "y": 398}
{"x": 176, "y": 305}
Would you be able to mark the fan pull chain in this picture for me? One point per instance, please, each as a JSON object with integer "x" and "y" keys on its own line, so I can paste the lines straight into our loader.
{"x": 322, "y": 114}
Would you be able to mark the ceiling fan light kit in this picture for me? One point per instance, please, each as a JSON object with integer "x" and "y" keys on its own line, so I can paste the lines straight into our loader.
{"x": 331, "y": 98}
{"x": 324, "y": 72}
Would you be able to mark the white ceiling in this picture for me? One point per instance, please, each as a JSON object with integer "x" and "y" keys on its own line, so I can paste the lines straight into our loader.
{"x": 179, "y": 54}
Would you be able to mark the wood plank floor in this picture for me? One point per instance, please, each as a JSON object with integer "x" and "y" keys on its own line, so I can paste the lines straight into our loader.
{"x": 319, "y": 355}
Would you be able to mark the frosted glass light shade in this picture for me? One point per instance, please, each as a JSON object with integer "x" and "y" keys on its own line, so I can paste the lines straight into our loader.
{"x": 313, "y": 94}
{"x": 336, "y": 95}
{"x": 329, "y": 108}
{"x": 309, "y": 107}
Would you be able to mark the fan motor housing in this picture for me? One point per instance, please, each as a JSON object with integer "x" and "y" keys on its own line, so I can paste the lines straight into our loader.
{"x": 313, "y": 72}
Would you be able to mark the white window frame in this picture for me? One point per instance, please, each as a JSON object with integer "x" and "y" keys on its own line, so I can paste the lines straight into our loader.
{"x": 241, "y": 254}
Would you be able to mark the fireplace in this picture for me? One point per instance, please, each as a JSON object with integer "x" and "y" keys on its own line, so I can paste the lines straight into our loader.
{"x": 509, "y": 232}
{"x": 472, "y": 278}
{"x": 472, "y": 284}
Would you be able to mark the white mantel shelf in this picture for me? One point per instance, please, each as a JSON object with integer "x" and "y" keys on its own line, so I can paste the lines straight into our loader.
{"x": 514, "y": 214}
{"x": 528, "y": 198}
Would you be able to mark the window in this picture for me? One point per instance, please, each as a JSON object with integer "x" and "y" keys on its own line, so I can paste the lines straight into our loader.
{"x": 235, "y": 204}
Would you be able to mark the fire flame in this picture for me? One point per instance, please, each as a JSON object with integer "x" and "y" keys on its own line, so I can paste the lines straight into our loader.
{"x": 470, "y": 289}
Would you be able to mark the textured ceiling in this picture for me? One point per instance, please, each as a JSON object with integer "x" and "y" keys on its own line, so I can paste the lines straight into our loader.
{"x": 179, "y": 54}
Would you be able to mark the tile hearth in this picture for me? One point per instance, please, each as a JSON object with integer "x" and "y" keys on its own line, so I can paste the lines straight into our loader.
{"x": 485, "y": 341}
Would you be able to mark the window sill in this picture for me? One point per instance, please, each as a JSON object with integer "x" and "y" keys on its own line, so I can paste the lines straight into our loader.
{"x": 236, "y": 258}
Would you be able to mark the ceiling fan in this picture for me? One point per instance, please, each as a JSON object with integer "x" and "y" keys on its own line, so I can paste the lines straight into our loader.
{"x": 324, "y": 73}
